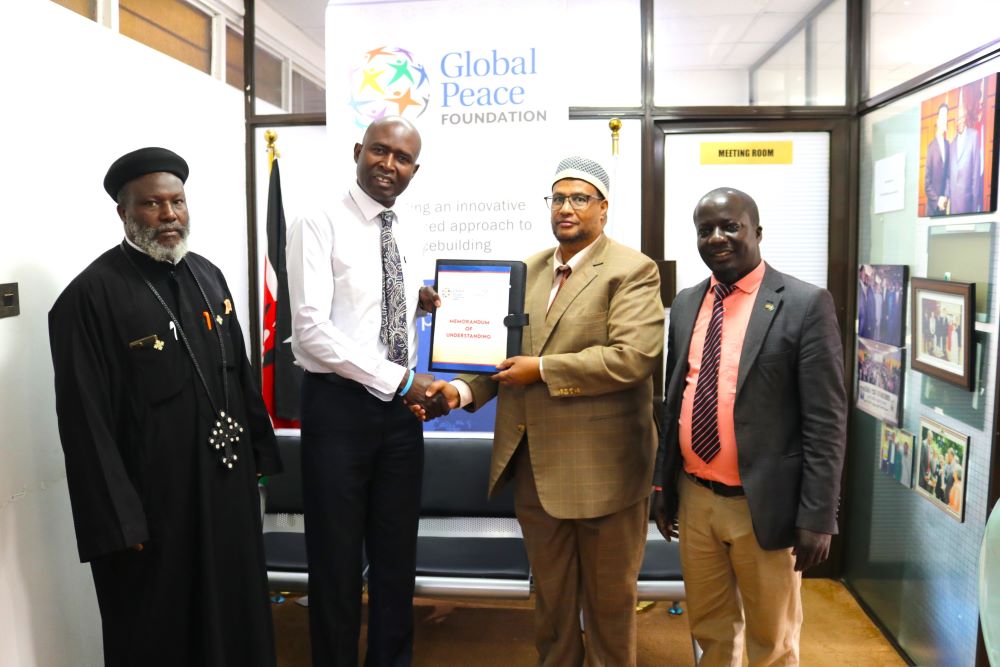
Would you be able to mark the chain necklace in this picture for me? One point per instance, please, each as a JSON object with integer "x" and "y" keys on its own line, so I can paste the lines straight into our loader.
{"x": 225, "y": 433}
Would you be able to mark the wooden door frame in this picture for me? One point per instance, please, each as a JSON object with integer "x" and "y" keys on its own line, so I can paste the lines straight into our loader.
{"x": 841, "y": 234}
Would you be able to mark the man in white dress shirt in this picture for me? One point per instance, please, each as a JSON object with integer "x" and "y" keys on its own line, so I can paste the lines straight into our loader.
{"x": 355, "y": 300}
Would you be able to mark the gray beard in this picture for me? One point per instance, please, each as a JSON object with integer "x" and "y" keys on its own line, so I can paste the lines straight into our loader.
{"x": 145, "y": 239}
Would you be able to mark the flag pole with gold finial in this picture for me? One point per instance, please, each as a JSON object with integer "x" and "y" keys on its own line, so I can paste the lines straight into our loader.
{"x": 615, "y": 125}
{"x": 270, "y": 136}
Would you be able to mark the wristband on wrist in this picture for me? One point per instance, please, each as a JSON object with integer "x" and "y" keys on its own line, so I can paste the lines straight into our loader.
{"x": 409, "y": 383}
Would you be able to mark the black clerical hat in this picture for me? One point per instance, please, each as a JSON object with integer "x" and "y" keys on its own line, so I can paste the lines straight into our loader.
{"x": 141, "y": 162}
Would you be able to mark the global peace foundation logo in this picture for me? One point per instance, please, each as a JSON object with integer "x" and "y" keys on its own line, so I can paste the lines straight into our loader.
{"x": 388, "y": 82}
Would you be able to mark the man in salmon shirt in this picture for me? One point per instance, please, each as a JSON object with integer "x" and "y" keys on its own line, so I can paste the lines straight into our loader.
{"x": 753, "y": 446}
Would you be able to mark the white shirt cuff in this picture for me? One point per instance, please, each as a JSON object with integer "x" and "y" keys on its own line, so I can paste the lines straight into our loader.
{"x": 387, "y": 379}
{"x": 464, "y": 392}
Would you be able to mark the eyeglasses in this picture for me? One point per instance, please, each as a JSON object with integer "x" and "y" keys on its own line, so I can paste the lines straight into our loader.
{"x": 578, "y": 202}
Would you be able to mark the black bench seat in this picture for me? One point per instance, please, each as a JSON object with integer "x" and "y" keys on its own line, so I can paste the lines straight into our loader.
{"x": 467, "y": 546}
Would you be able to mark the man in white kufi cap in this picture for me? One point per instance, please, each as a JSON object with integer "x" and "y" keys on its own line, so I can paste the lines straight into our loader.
{"x": 574, "y": 429}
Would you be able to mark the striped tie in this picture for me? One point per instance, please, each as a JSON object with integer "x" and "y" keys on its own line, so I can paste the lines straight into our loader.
{"x": 705, "y": 415}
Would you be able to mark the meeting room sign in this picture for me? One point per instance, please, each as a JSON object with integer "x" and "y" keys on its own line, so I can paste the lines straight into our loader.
{"x": 746, "y": 152}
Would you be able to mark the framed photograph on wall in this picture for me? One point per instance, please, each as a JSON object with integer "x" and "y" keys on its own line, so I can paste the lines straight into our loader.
{"x": 882, "y": 302}
{"x": 942, "y": 464}
{"x": 941, "y": 329}
{"x": 880, "y": 380}
{"x": 896, "y": 455}
{"x": 957, "y": 150}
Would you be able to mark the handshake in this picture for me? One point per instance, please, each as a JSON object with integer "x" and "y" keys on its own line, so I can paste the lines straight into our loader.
{"x": 429, "y": 398}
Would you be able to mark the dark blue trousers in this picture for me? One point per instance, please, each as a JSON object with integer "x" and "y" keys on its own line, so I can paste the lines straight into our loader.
{"x": 362, "y": 467}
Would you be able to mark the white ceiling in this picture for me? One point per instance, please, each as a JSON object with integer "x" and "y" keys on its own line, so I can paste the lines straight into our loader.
{"x": 307, "y": 15}
{"x": 727, "y": 34}
{"x": 734, "y": 34}
{"x": 708, "y": 33}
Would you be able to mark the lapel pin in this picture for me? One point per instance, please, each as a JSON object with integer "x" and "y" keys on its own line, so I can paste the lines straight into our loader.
{"x": 153, "y": 340}
{"x": 218, "y": 318}
{"x": 229, "y": 305}
{"x": 158, "y": 345}
{"x": 769, "y": 306}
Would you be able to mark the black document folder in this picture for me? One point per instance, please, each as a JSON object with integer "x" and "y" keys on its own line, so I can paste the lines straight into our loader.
{"x": 480, "y": 321}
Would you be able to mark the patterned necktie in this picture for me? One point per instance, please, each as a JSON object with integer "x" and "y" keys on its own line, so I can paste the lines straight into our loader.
{"x": 563, "y": 273}
{"x": 393, "y": 333}
{"x": 705, "y": 414}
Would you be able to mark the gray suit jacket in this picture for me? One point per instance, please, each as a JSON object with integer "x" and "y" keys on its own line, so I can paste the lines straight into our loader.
{"x": 590, "y": 424}
{"x": 790, "y": 412}
{"x": 964, "y": 188}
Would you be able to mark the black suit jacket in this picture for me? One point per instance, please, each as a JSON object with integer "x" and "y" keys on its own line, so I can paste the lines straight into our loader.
{"x": 790, "y": 411}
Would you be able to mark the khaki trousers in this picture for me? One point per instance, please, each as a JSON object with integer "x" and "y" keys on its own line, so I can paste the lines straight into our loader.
{"x": 734, "y": 588}
{"x": 588, "y": 564}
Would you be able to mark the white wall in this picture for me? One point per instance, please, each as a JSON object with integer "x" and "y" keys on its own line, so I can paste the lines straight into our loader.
{"x": 76, "y": 96}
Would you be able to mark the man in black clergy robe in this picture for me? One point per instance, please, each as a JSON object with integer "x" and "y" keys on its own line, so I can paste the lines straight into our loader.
{"x": 170, "y": 524}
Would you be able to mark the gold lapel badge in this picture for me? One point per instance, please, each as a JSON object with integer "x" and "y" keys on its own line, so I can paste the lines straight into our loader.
{"x": 152, "y": 340}
{"x": 769, "y": 306}
{"x": 229, "y": 306}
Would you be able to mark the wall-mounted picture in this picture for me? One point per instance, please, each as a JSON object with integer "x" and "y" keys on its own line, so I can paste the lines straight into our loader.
{"x": 882, "y": 302}
{"x": 880, "y": 380}
{"x": 957, "y": 160}
{"x": 896, "y": 455}
{"x": 941, "y": 327}
{"x": 942, "y": 464}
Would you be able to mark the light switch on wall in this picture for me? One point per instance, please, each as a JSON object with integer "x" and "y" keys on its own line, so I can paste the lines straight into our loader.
{"x": 10, "y": 304}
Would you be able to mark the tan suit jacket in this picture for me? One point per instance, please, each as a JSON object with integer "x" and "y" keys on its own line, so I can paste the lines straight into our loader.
{"x": 590, "y": 424}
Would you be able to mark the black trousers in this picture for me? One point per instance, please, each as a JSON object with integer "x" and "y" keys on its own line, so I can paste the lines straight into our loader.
{"x": 362, "y": 467}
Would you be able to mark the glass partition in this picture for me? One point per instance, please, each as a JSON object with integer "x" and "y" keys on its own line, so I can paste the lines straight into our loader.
{"x": 606, "y": 48}
{"x": 290, "y": 56}
{"x": 909, "y": 37}
{"x": 916, "y": 497}
{"x": 781, "y": 79}
{"x": 830, "y": 58}
{"x": 767, "y": 52}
